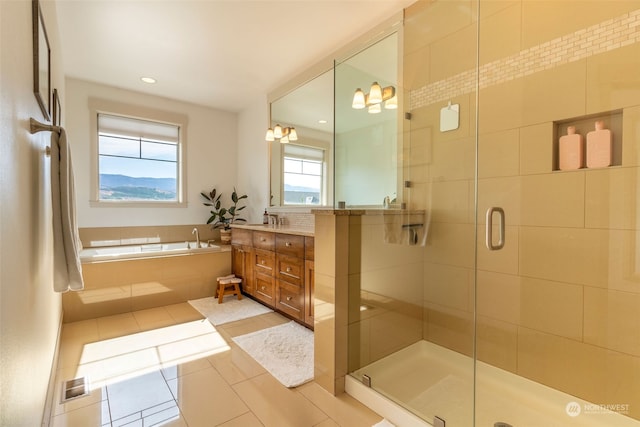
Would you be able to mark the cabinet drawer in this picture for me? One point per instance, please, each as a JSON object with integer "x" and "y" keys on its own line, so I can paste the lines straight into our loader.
{"x": 264, "y": 288}
{"x": 240, "y": 236}
{"x": 290, "y": 244}
{"x": 263, "y": 262}
{"x": 290, "y": 269}
{"x": 264, "y": 240}
{"x": 309, "y": 248}
{"x": 290, "y": 299}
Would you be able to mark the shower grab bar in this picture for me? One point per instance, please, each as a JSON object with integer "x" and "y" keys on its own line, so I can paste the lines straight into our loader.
{"x": 489, "y": 229}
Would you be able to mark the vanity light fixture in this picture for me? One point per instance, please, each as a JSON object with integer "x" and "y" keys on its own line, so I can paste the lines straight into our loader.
{"x": 376, "y": 96}
{"x": 285, "y": 134}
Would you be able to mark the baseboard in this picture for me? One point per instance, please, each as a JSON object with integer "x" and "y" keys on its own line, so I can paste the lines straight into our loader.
{"x": 51, "y": 390}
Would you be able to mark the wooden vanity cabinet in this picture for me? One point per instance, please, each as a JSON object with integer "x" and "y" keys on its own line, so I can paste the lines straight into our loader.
{"x": 241, "y": 258}
{"x": 279, "y": 270}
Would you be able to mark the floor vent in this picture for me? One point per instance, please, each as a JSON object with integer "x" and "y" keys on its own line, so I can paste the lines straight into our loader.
{"x": 74, "y": 389}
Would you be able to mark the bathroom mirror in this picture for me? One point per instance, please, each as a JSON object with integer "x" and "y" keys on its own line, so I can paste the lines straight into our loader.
{"x": 302, "y": 170}
{"x": 354, "y": 159}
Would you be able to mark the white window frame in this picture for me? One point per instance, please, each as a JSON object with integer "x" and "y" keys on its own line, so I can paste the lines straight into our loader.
{"x": 323, "y": 177}
{"x": 98, "y": 106}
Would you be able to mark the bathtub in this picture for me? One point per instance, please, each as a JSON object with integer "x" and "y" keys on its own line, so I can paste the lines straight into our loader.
{"x": 113, "y": 253}
{"x": 432, "y": 380}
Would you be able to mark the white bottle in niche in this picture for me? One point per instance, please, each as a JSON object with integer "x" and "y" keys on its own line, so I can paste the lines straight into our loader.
{"x": 571, "y": 150}
{"x": 599, "y": 147}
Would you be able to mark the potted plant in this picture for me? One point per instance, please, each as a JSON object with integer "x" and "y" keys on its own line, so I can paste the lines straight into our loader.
{"x": 222, "y": 217}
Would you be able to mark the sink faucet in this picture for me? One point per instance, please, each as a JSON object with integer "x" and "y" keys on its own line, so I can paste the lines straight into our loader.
{"x": 195, "y": 231}
{"x": 273, "y": 219}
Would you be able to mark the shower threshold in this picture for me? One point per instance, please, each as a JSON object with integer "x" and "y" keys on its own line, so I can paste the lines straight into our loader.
{"x": 425, "y": 380}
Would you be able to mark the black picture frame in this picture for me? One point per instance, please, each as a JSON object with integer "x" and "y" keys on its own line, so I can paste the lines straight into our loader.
{"x": 41, "y": 61}
{"x": 57, "y": 110}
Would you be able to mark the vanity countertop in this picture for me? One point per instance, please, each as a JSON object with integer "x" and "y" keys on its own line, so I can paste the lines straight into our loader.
{"x": 286, "y": 229}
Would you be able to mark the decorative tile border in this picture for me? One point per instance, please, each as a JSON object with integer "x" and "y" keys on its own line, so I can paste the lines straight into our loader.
{"x": 608, "y": 35}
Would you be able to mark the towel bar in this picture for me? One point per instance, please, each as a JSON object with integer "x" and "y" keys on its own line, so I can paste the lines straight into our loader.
{"x": 36, "y": 126}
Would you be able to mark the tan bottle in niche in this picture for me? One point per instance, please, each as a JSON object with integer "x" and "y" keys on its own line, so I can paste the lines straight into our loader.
{"x": 571, "y": 150}
{"x": 599, "y": 147}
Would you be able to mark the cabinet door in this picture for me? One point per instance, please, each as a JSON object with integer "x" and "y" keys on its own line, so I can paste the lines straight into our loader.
{"x": 241, "y": 266}
{"x": 290, "y": 299}
{"x": 309, "y": 270}
{"x": 264, "y": 288}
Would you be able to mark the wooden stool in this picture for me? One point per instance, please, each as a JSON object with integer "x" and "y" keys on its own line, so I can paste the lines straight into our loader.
{"x": 228, "y": 285}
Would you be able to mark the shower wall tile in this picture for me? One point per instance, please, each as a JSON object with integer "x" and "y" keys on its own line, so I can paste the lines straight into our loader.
{"x": 450, "y": 328}
{"x": 553, "y": 200}
{"x": 612, "y": 79}
{"x": 610, "y": 198}
{"x": 500, "y": 33}
{"x": 464, "y": 43}
{"x": 451, "y": 244}
{"x": 453, "y": 159}
{"x": 536, "y": 149}
{"x": 611, "y": 320}
{"x": 499, "y": 154}
{"x": 450, "y": 200}
{"x": 398, "y": 329}
{"x": 502, "y": 192}
{"x": 325, "y": 262}
{"x": 570, "y": 255}
{"x": 497, "y": 343}
{"x": 499, "y": 296}
{"x": 552, "y": 307}
{"x": 416, "y": 68}
{"x": 501, "y": 106}
{"x": 448, "y": 286}
{"x": 502, "y": 261}
{"x": 442, "y": 18}
{"x": 554, "y": 94}
{"x": 631, "y": 136}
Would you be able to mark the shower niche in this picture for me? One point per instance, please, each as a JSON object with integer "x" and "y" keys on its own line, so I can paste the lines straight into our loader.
{"x": 570, "y": 130}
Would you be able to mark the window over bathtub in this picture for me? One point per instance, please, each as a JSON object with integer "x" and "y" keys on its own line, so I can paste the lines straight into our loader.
{"x": 138, "y": 156}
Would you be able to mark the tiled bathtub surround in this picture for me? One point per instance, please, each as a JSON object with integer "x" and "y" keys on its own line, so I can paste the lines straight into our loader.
{"x": 117, "y": 236}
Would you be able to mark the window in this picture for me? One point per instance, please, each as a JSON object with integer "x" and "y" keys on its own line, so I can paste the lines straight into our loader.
{"x": 138, "y": 160}
{"x": 303, "y": 175}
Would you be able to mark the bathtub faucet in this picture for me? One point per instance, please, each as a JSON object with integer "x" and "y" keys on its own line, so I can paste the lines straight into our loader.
{"x": 195, "y": 231}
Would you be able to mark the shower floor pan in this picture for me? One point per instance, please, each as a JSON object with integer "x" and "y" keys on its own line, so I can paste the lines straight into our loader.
{"x": 434, "y": 381}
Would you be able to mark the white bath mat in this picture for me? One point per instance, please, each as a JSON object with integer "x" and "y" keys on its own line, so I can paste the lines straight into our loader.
{"x": 286, "y": 351}
{"x": 230, "y": 310}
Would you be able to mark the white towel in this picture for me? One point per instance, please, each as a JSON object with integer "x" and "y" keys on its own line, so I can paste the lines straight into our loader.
{"x": 67, "y": 269}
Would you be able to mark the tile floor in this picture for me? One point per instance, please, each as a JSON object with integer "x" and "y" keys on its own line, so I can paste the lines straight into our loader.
{"x": 169, "y": 367}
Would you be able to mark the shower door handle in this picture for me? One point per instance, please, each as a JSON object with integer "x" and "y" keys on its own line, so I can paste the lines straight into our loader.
{"x": 489, "y": 229}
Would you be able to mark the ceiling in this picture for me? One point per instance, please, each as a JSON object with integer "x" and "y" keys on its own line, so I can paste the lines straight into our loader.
{"x": 224, "y": 54}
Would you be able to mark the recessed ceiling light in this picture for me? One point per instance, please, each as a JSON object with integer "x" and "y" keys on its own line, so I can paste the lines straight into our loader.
{"x": 149, "y": 80}
{"x": 322, "y": 121}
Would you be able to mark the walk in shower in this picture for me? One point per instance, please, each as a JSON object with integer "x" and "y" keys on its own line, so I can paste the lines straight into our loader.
{"x": 500, "y": 285}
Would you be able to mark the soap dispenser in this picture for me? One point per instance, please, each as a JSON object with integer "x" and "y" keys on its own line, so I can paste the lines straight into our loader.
{"x": 599, "y": 147}
{"x": 265, "y": 217}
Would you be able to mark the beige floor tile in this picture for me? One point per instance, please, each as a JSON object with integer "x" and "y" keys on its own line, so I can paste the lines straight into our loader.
{"x": 277, "y": 406}
{"x": 343, "y": 409}
{"x": 182, "y": 369}
{"x": 205, "y": 399}
{"x": 93, "y": 415}
{"x": 134, "y": 398}
{"x": 244, "y": 420}
{"x": 328, "y": 423}
{"x": 117, "y": 326}
{"x": 153, "y": 318}
{"x": 236, "y": 365}
{"x": 183, "y": 312}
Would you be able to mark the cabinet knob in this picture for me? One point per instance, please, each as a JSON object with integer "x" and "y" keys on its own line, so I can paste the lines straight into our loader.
{"x": 262, "y": 261}
{"x": 289, "y": 298}
{"x": 288, "y": 269}
{"x": 287, "y": 244}
{"x": 262, "y": 288}
{"x": 262, "y": 239}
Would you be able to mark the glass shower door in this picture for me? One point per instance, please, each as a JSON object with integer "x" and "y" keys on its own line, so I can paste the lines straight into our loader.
{"x": 558, "y": 307}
